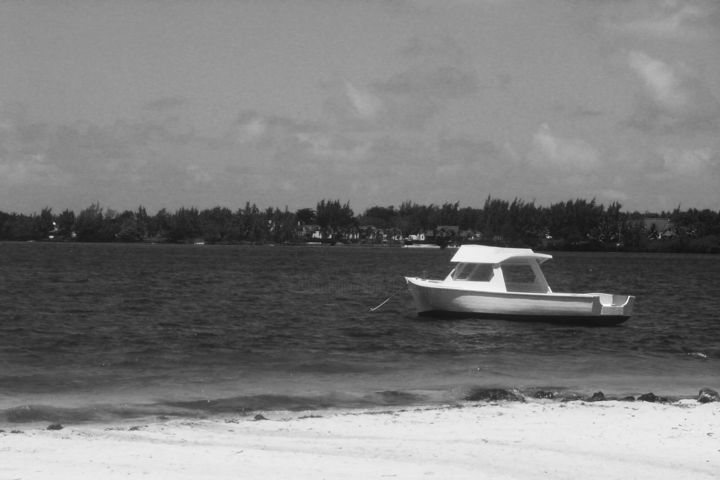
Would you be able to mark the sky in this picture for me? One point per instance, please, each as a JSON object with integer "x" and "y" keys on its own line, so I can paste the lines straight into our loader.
{"x": 165, "y": 104}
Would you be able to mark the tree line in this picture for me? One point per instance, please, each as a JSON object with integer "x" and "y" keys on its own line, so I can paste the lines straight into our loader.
{"x": 574, "y": 224}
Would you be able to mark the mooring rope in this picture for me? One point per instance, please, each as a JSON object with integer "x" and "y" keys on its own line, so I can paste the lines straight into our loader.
{"x": 373, "y": 309}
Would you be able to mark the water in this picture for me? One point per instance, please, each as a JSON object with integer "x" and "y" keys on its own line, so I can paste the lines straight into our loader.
{"x": 97, "y": 332}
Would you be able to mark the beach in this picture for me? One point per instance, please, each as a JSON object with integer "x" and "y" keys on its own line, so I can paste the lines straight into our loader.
{"x": 499, "y": 440}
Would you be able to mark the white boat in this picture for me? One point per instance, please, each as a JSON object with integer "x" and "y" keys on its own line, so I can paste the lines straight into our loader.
{"x": 507, "y": 283}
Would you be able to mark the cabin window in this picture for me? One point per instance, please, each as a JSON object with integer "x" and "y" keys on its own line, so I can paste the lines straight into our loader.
{"x": 518, "y": 274}
{"x": 521, "y": 278}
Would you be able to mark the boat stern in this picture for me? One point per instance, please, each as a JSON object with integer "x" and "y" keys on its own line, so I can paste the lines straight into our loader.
{"x": 614, "y": 305}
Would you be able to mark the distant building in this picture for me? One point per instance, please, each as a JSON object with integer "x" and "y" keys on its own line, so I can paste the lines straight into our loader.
{"x": 448, "y": 230}
{"x": 658, "y": 227}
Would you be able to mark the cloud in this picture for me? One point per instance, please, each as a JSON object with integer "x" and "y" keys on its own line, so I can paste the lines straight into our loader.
{"x": 673, "y": 98}
{"x": 199, "y": 174}
{"x": 662, "y": 81}
{"x": 23, "y": 145}
{"x": 442, "y": 49}
{"x": 696, "y": 162}
{"x": 446, "y": 4}
{"x": 274, "y": 135}
{"x": 165, "y": 104}
{"x": 441, "y": 83}
{"x": 254, "y": 127}
{"x": 436, "y": 74}
{"x": 358, "y": 110}
{"x": 567, "y": 154}
{"x": 251, "y": 127}
{"x": 675, "y": 174}
{"x": 122, "y": 164}
{"x": 333, "y": 146}
{"x": 406, "y": 101}
{"x": 459, "y": 156}
{"x": 364, "y": 104}
{"x": 677, "y": 20}
{"x": 609, "y": 195}
{"x": 29, "y": 170}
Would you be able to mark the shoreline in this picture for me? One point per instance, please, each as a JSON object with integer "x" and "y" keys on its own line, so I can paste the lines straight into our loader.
{"x": 660, "y": 250}
{"x": 29, "y": 412}
{"x": 494, "y": 439}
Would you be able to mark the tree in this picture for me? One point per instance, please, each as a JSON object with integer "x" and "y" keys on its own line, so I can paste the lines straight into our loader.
{"x": 216, "y": 224}
{"x": 89, "y": 224}
{"x": 415, "y": 218}
{"x": 43, "y": 224}
{"x": 65, "y": 224}
{"x": 17, "y": 227}
{"x": 281, "y": 224}
{"x": 160, "y": 225}
{"x": 185, "y": 225}
{"x": 381, "y": 217}
{"x": 143, "y": 222}
{"x": 4, "y": 226}
{"x": 128, "y": 230}
{"x": 254, "y": 224}
{"x": 449, "y": 214}
{"x": 495, "y": 213}
{"x": 611, "y": 224}
{"x": 332, "y": 216}
{"x": 305, "y": 216}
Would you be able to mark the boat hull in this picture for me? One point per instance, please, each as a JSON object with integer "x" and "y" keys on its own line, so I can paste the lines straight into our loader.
{"x": 437, "y": 298}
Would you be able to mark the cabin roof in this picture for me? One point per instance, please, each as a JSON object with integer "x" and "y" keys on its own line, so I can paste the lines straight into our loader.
{"x": 493, "y": 255}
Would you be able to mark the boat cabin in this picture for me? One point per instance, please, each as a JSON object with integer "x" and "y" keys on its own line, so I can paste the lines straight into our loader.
{"x": 480, "y": 267}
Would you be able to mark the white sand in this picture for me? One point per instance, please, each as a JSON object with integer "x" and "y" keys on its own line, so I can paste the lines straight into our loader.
{"x": 575, "y": 440}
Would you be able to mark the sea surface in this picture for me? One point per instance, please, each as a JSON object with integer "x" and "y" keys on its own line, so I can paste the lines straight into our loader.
{"x": 101, "y": 332}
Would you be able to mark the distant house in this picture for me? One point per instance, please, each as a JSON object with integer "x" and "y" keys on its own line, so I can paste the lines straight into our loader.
{"x": 447, "y": 231}
{"x": 471, "y": 236}
{"x": 443, "y": 235}
{"x": 658, "y": 227}
{"x": 352, "y": 235}
{"x": 395, "y": 234}
{"x": 309, "y": 232}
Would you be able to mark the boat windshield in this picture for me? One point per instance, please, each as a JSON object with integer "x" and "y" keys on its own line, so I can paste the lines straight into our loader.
{"x": 474, "y": 272}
